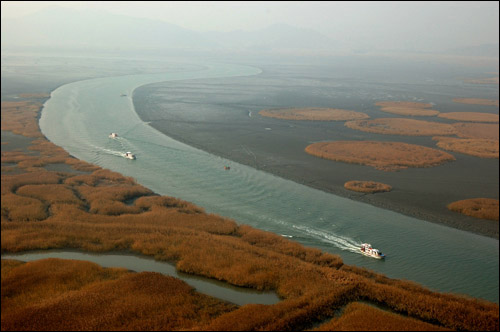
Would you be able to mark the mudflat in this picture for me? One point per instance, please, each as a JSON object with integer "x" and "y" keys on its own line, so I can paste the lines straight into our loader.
{"x": 222, "y": 117}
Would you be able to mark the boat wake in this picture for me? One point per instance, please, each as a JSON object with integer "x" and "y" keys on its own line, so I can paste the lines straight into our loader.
{"x": 341, "y": 242}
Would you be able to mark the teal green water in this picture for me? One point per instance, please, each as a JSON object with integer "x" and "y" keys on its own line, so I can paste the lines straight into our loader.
{"x": 79, "y": 117}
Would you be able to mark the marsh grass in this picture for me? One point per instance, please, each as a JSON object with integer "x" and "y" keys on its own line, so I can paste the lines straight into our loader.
{"x": 46, "y": 210}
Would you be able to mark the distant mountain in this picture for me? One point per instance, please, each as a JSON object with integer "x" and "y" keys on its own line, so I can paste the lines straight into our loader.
{"x": 57, "y": 26}
{"x": 275, "y": 37}
{"x": 97, "y": 30}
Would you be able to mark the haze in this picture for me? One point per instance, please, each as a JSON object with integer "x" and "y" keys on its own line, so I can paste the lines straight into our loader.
{"x": 332, "y": 27}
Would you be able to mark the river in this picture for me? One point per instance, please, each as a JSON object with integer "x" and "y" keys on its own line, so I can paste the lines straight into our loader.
{"x": 79, "y": 117}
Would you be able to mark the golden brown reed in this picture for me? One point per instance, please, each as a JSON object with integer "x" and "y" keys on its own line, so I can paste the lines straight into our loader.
{"x": 314, "y": 114}
{"x": 398, "y": 126}
{"x": 367, "y": 186}
{"x": 312, "y": 284}
{"x": 470, "y": 116}
{"x": 359, "y": 316}
{"x": 407, "y": 108}
{"x": 386, "y": 156}
{"x": 76, "y": 295}
{"x": 484, "y": 208}
{"x": 477, "y": 130}
{"x": 483, "y": 148}
{"x": 477, "y": 101}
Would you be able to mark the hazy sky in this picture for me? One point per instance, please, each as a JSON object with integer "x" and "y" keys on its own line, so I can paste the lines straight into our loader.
{"x": 418, "y": 25}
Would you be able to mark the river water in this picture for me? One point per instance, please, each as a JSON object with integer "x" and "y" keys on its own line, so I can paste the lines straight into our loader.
{"x": 79, "y": 117}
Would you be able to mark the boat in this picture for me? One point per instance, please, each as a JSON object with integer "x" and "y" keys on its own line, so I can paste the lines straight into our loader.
{"x": 113, "y": 135}
{"x": 367, "y": 250}
{"x": 130, "y": 155}
{"x": 227, "y": 168}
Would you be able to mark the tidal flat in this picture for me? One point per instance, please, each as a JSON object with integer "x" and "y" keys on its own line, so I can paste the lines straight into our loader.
{"x": 221, "y": 116}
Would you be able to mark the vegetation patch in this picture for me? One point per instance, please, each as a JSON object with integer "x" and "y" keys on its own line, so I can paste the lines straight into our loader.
{"x": 407, "y": 108}
{"x": 363, "y": 317}
{"x": 314, "y": 114}
{"x": 477, "y": 130}
{"x": 483, "y": 148}
{"x": 470, "y": 116}
{"x": 386, "y": 156}
{"x": 398, "y": 126}
{"x": 52, "y": 295}
{"x": 68, "y": 295}
{"x": 484, "y": 208}
{"x": 367, "y": 186}
{"x": 477, "y": 101}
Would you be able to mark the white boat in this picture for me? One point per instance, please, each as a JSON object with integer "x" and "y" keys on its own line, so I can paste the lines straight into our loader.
{"x": 113, "y": 135}
{"x": 367, "y": 250}
{"x": 130, "y": 155}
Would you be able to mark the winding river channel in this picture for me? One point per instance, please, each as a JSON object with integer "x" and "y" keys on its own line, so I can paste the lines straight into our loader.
{"x": 79, "y": 117}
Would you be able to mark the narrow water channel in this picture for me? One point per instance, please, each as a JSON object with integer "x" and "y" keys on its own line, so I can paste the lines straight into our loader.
{"x": 215, "y": 288}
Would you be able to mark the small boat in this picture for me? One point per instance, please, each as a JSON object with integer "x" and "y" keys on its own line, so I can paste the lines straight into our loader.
{"x": 367, "y": 250}
{"x": 123, "y": 95}
{"x": 130, "y": 155}
{"x": 113, "y": 135}
{"x": 227, "y": 168}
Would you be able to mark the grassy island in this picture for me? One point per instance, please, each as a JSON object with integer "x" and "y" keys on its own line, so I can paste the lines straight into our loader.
{"x": 470, "y": 116}
{"x": 386, "y": 156}
{"x": 477, "y": 101}
{"x": 483, "y": 148}
{"x": 484, "y": 208}
{"x": 314, "y": 114}
{"x": 367, "y": 186}
{"x": 399, "y": 126}
{"x": 407, "y": 108}
{"x": 89, "y": 208}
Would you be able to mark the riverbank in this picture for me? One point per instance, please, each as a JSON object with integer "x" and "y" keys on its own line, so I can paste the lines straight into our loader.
{"x": 93, "y": 212}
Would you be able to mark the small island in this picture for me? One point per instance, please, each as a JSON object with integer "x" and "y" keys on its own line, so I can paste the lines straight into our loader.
{"x": 386, "y": 156}
{"x": 399, "y": 126}
{"x": 314, "y": 114}
{"x": 477, "y": 101}
{"x": 477, "y": 130}
{"x": 483, "y": 148}
{"x": 369, "y": 187}
{"x": 484, "y": 208}
{"x": 407, "y": 108}
{"x": 470, "y": 116}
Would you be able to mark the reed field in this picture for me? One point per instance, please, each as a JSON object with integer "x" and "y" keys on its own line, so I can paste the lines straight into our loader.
{"x": 407, "y": 108}
{"x": 314, "y": 114}
{"x": 399, "y": 126}
{"x": 476, "y": 101}
{"x": 367, "y": 186}
{"x": 484, "y": 208}
{"x": 470, "y": 116}
{"x": 103, "y": 211}
{"x": 386, "y": 156}
{"x": 482, "y": 148}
